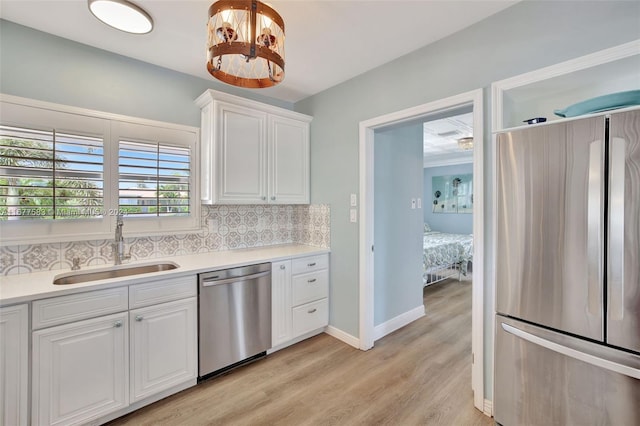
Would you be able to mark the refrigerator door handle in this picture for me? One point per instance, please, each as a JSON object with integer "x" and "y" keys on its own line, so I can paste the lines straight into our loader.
{"x": 615, "y": 271}
{"x": 572, "y": 353}
{"x": 595, "y": 225}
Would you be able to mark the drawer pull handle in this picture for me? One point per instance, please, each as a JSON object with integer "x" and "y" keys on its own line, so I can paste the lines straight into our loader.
{"x": 139, "y": 318}
{"x": 282, "y": 267}
{"x": 310, "y": 311}
{"x": 117, "y": 324}
{"x": 312, "y": 280}
{"x": 311, "y": 264}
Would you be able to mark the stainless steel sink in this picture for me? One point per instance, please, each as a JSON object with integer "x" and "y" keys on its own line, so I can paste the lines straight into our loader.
{"x": 113, "y": 272}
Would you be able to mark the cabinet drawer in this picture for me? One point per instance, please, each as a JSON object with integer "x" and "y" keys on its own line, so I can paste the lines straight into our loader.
{"x": 309, "y": 264}
{"x": 310, "y": 317}
{"x": 310, "y": 287}
{"x": 161, "y": 291}
{"x": 75, "y": 307}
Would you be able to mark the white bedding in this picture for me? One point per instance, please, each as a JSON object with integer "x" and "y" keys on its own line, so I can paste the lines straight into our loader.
{"x": 442, "y": 251}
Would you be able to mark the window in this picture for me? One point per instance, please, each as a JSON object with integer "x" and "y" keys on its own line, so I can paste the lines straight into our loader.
{"x": 66, "y": 173}
{"x": 50, "y": 175}
{"x": 154, "y": 179}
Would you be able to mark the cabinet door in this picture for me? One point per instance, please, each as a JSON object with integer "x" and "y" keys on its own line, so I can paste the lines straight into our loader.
{"x": 163, "y": 346}
{"x": 280, "y": 302}
{"x": 80, "y": 370}
{"x": 241, "y": 154}
{"x": 14, "y": 355}
{"x": 288, "y": 161}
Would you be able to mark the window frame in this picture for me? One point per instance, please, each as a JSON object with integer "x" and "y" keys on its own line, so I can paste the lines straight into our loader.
{"x": 134, "y": 131}
{"x": 34, "y": 114}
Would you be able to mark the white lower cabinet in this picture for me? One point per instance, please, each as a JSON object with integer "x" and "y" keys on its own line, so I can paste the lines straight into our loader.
{"x": 163, "y": 347}
{"x": 310, "y": 316}
{"x": 14, "y": 365}
{"x": 89, "y": 369}
{"x": 80, "y": 370}
{"x": 300, "y": 292}
{"x": 280, "y": 302}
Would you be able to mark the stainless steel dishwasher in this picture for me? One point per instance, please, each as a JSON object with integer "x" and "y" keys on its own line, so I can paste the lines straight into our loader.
{"x": 234, "y": 316}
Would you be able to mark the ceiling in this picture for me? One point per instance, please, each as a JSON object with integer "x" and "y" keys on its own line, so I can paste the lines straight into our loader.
{"x": 440, "y": 139}
{"x": 328, "y": 42}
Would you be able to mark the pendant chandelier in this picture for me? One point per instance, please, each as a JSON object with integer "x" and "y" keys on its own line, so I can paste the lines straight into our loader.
{"x": 245, "y": 45}
{"x": 465, "y": 144}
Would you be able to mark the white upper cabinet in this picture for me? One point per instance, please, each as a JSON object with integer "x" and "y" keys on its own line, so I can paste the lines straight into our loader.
{"x": 289, "y": 161}
{"x": 241, "y": 135}
{"x": 252, "y": 153}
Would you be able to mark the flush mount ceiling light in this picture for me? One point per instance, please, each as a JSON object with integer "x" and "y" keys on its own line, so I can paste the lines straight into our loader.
{"x": 245, "y": 45}
{"x": 465, "y": 143}
{"x": 122, "y": 15}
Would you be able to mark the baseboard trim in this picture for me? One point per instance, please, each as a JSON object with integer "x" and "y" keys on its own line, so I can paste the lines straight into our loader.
{"x": 343, "y": 336}
{"x": 398, "y": 322}
{"x": 488, "y": 408}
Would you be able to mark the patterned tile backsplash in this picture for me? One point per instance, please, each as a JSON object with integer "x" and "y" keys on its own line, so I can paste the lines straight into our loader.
{"x": 223, "y": 228}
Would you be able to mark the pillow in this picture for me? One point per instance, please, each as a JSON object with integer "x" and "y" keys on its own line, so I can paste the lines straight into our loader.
{"x": 427, "y": 228}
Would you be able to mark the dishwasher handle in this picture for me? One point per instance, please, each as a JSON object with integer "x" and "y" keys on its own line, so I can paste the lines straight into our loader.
{"x": 215, "y": 281}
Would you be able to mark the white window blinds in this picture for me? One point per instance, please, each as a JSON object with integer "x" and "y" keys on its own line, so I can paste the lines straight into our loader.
{"x": 154, "y": 179}
{"x": 50, "y": 175}
{"x": 65, "y": 173}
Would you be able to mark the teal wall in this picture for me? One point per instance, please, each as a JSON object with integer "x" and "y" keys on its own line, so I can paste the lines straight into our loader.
{"x": 452, "y": 223}
{"x": 524, "y": 37}
{"x": 40, "y": 66}
{"x": 398, "y": 160}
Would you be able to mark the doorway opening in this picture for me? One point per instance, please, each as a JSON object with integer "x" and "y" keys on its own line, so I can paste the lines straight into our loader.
{"x": 472, "y": 100}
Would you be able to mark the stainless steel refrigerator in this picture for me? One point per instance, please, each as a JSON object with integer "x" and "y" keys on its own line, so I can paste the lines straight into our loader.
{"x": 567, "y": 344}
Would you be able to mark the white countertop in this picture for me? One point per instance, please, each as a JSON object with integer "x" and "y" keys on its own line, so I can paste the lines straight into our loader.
{"x": 39, "y": 285}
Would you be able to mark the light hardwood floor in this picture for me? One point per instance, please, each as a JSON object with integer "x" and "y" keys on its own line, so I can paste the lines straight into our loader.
{"x": 418, "y": 375}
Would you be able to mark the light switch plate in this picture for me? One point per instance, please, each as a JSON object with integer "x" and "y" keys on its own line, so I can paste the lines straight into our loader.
{"x": 353, "y": 215}
{"x": 419, "y": 203}
{"x": 354, "y": 200}
{"x": 413, "y": 203}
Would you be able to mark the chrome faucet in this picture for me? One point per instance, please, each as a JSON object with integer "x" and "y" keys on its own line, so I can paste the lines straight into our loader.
{"x": 118, "y": 246}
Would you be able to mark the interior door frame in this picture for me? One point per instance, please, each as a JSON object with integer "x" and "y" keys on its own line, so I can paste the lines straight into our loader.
{"x": 366, "y": 267}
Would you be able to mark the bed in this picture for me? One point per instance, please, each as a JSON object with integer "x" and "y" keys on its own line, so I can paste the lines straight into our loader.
{"x": 445, "y": 255}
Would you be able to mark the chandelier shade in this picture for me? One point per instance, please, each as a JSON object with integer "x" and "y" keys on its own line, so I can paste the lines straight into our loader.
{"x": 465, "y": 143}
{"x": 245, "y": 43}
